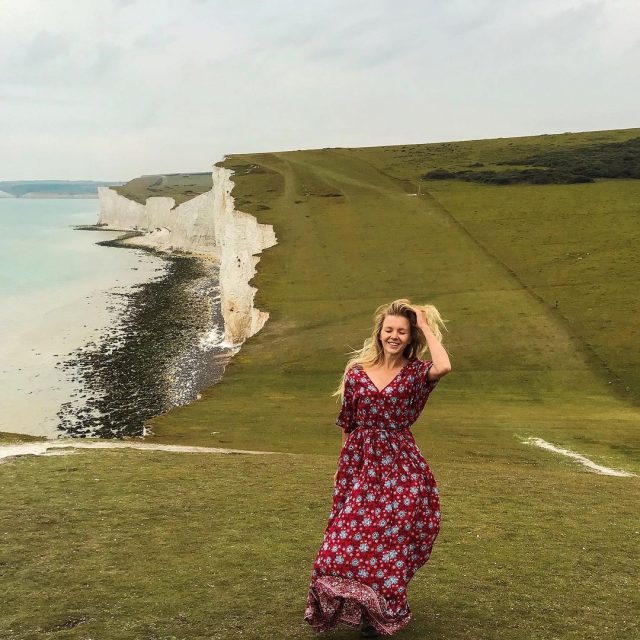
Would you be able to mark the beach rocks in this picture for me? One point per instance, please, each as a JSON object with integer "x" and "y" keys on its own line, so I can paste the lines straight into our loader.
{"x": 156, "y": 357}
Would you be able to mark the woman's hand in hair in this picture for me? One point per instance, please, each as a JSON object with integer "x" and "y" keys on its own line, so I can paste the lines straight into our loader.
{"x": 441, "y": 363}
{"x": 421, "y": 315}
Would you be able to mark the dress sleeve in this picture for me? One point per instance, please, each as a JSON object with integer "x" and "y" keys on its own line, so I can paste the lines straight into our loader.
{"x": 347, "y": 416}
{"x": 427, "y": 386}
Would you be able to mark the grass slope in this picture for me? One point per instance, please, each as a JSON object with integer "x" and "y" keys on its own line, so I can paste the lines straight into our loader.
{"x": 155, "y": 545}
{"x": 532, "y": 545}
{"x": 179, "y": 186}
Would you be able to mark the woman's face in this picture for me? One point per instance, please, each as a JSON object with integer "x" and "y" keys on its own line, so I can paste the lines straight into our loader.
{"x": 395, "y": 334}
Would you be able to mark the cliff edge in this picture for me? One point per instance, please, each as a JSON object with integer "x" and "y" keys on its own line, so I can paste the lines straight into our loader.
{"x": 208, "y": 226}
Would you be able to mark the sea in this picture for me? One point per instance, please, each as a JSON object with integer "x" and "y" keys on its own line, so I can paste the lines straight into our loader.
{"x": 95, "y": 339}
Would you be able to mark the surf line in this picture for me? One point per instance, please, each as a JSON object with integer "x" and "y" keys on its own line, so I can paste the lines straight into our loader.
{"x": 590, "y": 464}
{"x": 43, "y": 448}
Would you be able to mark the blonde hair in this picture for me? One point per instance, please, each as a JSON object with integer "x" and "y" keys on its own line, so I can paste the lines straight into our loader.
{"x": 372, "y": 353}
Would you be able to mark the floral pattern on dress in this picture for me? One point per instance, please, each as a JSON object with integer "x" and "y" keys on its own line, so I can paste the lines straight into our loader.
{"x": 385, "y": 514}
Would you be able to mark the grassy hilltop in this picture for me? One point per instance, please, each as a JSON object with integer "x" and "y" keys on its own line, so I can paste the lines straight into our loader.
{"x": 179, "y": 186}
{"x": 538, "y": 282}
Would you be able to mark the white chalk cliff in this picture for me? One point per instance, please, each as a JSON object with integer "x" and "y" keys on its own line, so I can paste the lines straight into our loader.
{"x": 207, "y": 225}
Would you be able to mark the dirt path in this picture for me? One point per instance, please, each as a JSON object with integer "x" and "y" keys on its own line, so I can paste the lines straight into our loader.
{"x": 65, "y": 447}
{"x": 597, "y": 468}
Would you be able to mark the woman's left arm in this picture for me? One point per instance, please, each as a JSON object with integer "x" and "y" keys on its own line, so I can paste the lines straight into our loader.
{"x": 441, "y": 363}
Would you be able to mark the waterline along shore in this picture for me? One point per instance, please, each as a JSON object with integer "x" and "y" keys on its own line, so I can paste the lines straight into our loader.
{"x": 60, "y": 291}
{"x": 164, "y": 347}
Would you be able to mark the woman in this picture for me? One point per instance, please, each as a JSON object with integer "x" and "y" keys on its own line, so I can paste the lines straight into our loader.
{"x": 386, "y": 511}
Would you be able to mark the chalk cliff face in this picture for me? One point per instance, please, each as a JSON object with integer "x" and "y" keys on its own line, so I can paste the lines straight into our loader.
{"x": 207, "y": 225}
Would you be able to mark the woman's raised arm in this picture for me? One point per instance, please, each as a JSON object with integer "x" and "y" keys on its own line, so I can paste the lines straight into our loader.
{"x": 439, "y": 356}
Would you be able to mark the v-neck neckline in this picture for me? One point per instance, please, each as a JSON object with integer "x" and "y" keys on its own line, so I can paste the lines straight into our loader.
{"x": 390, "y": 381}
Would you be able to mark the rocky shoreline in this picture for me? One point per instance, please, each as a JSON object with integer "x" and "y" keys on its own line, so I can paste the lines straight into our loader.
{"x": 164, "y": 348}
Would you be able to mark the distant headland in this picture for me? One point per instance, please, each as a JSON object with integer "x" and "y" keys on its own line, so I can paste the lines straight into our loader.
{"x": 53, "y": 188}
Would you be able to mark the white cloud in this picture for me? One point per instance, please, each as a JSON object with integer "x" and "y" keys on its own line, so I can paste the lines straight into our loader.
{"x": 112, "y": 89}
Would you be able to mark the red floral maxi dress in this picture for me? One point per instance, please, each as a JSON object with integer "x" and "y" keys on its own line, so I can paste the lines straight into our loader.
{"x": 386, "y": 510}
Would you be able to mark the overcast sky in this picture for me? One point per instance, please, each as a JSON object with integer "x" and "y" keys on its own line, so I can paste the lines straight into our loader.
{"x": 111, "y": 89}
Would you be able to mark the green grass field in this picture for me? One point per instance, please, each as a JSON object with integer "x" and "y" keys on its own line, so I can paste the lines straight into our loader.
{"x": 179, "y": 186}
{"x": 128, "y": 544}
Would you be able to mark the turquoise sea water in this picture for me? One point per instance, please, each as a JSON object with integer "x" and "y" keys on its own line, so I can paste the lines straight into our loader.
{"x": 39, "y": 250}
{"x": 56, "y": 294}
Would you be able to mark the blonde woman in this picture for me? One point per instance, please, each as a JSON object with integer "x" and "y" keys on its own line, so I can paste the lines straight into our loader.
{"x": 386, "y": 510}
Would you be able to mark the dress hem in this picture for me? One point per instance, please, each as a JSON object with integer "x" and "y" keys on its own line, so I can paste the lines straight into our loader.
{"x": 333, "y": 600}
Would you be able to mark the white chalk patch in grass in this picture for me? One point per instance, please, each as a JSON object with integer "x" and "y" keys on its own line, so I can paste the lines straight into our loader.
{"x": 592, "y": 466}
{"x": 63, "y": 447}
